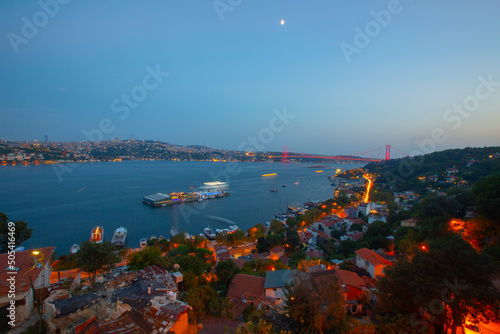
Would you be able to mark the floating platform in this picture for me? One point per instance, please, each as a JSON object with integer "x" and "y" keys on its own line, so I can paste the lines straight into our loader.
{"x": 161, "y": 199}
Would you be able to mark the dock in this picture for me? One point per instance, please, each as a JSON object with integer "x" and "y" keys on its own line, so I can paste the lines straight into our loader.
{"x": 161, "y": 199}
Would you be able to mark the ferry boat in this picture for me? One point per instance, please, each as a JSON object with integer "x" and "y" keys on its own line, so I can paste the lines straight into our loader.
{"x": 209, "y": 233}
{"x": 119, "y": 237}
{"x": 143, "y": 243}
{"x": 73, "y": 249}
{"x": 97, "y": 235}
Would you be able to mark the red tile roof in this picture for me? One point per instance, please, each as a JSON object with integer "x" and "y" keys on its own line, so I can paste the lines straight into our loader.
{"x": 277, "y": 249}
{"x": 315, "y": 253}
{"x": 244, "y": 286}
{"x": 372, "y": 257}
{"x": 25, "y": 261}
{"x": 350, "y": 278}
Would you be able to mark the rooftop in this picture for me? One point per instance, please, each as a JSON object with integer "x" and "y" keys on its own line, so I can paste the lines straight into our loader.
{"x": 26, "y": 267}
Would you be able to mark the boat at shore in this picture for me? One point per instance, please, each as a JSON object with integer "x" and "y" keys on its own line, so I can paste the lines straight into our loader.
{"x": 73, "y": 249}
{"x": 209, "y": 233}
{"x": 143, "y": 243}
{"x": 119, "y": 237}
{"x": 97, "y": 235}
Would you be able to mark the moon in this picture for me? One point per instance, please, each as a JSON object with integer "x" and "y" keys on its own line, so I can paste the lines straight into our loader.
{"x": 282, "y": 22}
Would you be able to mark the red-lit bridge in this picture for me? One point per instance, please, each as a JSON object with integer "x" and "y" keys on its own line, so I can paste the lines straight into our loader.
{"x": 377, "y": 154}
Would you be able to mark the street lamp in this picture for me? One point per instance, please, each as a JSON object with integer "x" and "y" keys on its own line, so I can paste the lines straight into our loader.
{"x": 40, "y": 260}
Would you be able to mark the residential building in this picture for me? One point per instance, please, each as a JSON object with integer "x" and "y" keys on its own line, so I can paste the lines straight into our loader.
{"x": 28, "y": 268}
{"x": 371, "y": 262}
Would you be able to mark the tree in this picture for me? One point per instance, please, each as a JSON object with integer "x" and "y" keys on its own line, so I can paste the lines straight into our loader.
{"x": 21, "y": 232}
{"x": 296, "y": 257}
{"x": 276, "y": 226}
{"x": 94, "y": 258}
{"x": 487, "y": 198}
{"x": 314, "y": 311}
{"x": 261, "y": 327}
{"x": 292, "y": 239}
{"x": 149, "y": 256}
{"x": 225, "y": 271}
{"x": 449, "y": 282}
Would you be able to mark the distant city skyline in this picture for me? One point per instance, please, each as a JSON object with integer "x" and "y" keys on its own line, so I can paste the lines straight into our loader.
{"x": 323, "y": 77}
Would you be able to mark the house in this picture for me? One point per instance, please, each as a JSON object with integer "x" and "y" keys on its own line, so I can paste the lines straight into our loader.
{"x": 327, "y": 224}
{"x": 472, "y": 162}
{"x": 245, "y": 290}
{"x": 351, "y": 211}
{"x": 275, "y": 284}
{"x": 450, "y": 178}
{"x": 145, "y": 304}
{"x": 322, "y": 239}
{"x": 352, "y": 289}
{"x": 315, "y": 254}
{"x": 371, "y": 262}
{"x": 432, "y": 178}
{"x": 452, "y": 170}
{"x": 409, "y": 223}
{"x": 30, "y": 266}
{"x": 276, "y": 252}
{"x": 354, "y": 236}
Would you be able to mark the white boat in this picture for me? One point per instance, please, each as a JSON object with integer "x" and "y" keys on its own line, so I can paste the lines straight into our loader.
{"x": 119, "y": 237}
{"x": 143, "y": 243}
{"x": 209, "y": 233}
{"x": 73, "y": 249}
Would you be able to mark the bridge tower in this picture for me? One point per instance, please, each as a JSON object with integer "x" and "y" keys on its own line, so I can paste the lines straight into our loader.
{"x": 285, "y": 155}
{"x": 387, "y": 152}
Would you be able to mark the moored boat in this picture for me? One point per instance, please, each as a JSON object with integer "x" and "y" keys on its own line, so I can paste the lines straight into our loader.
{"x": 209, "y": 233}
{"x": 73, "y": 249}
{"x": 143, "y": 243}
{"x": 119, "y": 237}
{"x": 97, "y": 235}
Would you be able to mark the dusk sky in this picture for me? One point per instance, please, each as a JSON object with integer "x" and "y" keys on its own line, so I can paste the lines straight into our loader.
{"x": 230, "y": 63}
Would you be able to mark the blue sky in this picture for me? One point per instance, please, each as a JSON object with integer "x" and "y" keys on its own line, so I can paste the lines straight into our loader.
{"x": 226, "y": 76}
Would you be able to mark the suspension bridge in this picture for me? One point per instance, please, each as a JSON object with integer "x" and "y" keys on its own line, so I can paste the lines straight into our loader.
{"x": 386, "y": 152}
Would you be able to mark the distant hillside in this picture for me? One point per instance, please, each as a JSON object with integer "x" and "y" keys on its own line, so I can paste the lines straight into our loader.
{"x": 416, "y": 173}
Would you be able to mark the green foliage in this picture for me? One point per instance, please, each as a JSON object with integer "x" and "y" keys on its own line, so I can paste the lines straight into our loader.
{"x": 399, "y": 323}
{"x": 94, "y": 258}
{"x": 151, "y": 255}
{"x": 292, "y": 239}
{"x": 190, "y": 258}
{"x": 314, "y": 311}
{"x": 261, "y": 326}
{"x": 375, "y": 236}
{"x": 296, "y": 257}
{"x": 21, "y": 232}
{"x": 487, "y": 197}
{"x": 434, "y": 213}
{"x": 276, "y": 227}
{"x": 225, "y": 271}
{"x": 450, "y": 272}
{"x": 235, "y": 238}
{"x": 65, "y": 262}
{"x": 402, "y": 174}
{"x": 260, "y": 267}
